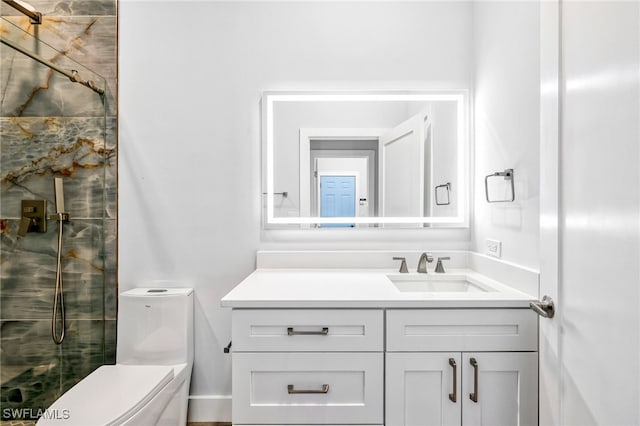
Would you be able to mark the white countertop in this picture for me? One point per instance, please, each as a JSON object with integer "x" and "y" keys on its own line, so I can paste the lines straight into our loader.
{"x": 358, "y": 288}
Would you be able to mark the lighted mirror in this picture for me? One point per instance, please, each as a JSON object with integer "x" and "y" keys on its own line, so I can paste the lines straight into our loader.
{"x": 343, "y": 160}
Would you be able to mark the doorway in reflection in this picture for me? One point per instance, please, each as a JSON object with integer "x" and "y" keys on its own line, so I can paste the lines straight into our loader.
{"x": 407, "y": 144}
{"x": 356, "y": 158}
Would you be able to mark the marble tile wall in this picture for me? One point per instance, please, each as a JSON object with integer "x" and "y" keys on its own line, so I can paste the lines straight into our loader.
{"x": 51, "y": 127}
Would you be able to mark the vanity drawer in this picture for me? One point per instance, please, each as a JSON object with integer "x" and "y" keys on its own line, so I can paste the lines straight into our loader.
{"x": 461, "y": 330}
{"x": 308, "y": 388}
{"x": 308, "y": 330}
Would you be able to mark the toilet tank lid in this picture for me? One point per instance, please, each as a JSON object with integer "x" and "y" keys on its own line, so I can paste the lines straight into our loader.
{"x": 158, "y": 291}
{"x": 109, "y": 395}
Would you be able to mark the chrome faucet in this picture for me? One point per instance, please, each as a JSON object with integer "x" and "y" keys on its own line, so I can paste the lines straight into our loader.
{"x": 422, "y": 263}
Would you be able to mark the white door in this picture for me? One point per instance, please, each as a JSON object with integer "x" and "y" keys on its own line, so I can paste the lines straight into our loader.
{"x": 590, "y": 210}
{"x": 500, "y": 388}
{"x": 403, "y": 168}
{"x": 549, "y": 348}
{"x": 418, "y": 388}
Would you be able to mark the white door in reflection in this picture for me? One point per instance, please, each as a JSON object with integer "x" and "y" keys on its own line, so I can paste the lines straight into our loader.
{"x": 405, "y": 178}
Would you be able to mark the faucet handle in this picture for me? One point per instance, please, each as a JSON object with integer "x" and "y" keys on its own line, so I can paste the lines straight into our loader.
{"x": 403, "y": 265}
{"x": 439, "y": 267}
{"x": 25, "y": 225}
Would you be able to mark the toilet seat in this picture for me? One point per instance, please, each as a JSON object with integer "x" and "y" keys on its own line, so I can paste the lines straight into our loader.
{"x": 110, "y": 395}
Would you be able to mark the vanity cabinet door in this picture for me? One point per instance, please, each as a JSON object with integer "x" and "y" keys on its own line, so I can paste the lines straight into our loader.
{"x": 504, "y": 387}
{"x": 421, "y": 389}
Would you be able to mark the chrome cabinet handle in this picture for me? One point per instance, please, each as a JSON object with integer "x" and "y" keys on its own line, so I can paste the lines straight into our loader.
{"x": 474, "y": 395}
{"x": 292, "y": 332}
{"x": 452, "y": 396}
{"x": 291, "y": 390}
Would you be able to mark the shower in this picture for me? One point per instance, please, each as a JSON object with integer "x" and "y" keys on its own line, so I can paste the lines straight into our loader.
{"x": 26, "y": 9}
{"x": 58, "y": 316}
{"x": 34, "y": 219}
{"x": 58, "y": 299}
{"x": 57, "y": 128}
{"x": 70, "y": 74}
{"x": 36, "y": 19}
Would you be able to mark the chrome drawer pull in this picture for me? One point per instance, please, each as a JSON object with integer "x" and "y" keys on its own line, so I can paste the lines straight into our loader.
{"x": 291, "y": 390}
{"x": 292, "y": 332}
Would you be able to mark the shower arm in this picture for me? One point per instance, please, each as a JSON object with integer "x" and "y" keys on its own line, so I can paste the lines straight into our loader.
{"x": 71, "y": 75}
{"x": 26, "y": 9}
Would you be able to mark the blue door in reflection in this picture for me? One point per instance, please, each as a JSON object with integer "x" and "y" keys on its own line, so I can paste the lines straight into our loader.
{"x": 337, "y": 199}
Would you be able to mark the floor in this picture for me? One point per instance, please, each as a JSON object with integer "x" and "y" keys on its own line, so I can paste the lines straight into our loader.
{"x": 32, "y": 423}
{"x": 208, "y": 424}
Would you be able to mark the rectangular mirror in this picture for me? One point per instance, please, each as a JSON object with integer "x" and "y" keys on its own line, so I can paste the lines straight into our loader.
{"x": 374, "y": 159}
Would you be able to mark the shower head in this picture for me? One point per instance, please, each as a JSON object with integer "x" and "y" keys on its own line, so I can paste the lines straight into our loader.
{"x": 58, "y": 187}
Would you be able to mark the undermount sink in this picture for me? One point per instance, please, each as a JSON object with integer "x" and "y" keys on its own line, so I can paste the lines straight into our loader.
{"x": 428, "y": 283}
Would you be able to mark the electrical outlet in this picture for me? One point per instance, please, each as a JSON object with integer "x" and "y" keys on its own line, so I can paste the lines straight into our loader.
{"x": 494, "y": 248}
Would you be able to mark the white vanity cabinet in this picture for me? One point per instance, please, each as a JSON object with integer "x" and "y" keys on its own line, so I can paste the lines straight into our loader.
{"x": 461, "y": 366}
{"x": 308, "y": 366}
{"x": 347, "y": 347}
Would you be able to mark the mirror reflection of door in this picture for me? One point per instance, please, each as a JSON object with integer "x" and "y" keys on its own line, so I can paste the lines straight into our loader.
{"x": 337, "y": 197}
{"x": 405, "y": 173}
{"x": 415, "y": 164}
{"x": 336, "y": 156}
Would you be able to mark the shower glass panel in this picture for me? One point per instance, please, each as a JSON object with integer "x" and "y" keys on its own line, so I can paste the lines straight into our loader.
{"x": 50, "y": 127}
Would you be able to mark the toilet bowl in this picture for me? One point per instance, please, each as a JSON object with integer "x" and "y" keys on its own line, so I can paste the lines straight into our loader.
{"x": 149, "y": 385}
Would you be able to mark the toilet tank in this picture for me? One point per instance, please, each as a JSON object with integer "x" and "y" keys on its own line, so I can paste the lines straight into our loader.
{"x": 155, "y": 326}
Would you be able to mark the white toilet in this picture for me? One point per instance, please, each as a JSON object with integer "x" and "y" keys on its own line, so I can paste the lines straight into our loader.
{"x": 149, "y": 385}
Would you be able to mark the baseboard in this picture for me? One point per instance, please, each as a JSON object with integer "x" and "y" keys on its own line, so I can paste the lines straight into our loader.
{"x": 209, "y": 408}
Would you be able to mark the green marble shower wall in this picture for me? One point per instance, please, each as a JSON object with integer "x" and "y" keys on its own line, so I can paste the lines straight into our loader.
{"x": 51, "y": 127}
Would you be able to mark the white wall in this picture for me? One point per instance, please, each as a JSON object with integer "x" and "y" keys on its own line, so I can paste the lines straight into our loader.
{"x": 191, "y": 75}
{"x": 444, "y": 140}
{"x": 507, "y": 99}
{"x": 190, "y": 78}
